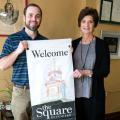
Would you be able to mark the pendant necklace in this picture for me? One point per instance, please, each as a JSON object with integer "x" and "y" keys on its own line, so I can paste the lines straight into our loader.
{"x": 83, "y": 62}
{"x": 86, "y": 55}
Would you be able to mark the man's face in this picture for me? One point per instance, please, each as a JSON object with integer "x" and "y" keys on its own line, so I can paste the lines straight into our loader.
{"x": 32, "y": 18}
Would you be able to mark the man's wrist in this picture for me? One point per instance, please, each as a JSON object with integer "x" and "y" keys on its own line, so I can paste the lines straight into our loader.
{"x": 16, "y": 52}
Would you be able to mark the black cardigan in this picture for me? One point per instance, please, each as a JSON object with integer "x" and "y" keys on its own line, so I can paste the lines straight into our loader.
{"x": 101, "y": 68}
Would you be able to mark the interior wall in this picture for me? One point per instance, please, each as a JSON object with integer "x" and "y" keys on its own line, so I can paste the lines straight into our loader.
{"x": 59, "y": 18}
{"x": 60, "y": 21}
{"x": 5, "y": 78}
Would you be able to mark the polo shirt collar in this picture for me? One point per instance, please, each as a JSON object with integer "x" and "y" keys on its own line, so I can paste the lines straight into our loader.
{"x": 26, "y": 35}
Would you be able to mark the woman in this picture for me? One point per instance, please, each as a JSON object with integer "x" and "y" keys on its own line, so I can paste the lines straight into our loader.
{"x": 91, "y": 64}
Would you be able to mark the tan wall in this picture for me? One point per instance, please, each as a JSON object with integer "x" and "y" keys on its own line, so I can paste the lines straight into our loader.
{"x": 59, "y": 18}
{"x": 5, "y": 77}
{"x": 60, "y": 21}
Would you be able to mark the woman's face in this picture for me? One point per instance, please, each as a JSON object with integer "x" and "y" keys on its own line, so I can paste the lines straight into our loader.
{"x": 87, "y": 25}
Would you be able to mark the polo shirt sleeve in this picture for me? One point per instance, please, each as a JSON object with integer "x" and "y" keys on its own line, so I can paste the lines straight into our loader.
{"x": 7, "y": 48}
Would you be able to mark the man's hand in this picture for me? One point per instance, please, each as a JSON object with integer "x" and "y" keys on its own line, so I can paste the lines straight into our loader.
{"x": 23, "y": 45}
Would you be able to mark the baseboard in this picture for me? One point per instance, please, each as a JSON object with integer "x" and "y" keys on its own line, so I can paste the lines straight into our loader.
{"x": 113, "y": 116}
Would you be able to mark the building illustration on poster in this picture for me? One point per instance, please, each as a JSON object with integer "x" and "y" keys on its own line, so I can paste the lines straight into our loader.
{"x": 55, "y": 85}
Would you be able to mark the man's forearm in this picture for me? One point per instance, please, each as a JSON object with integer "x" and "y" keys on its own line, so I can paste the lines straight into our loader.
{"x": 7, "y": 61}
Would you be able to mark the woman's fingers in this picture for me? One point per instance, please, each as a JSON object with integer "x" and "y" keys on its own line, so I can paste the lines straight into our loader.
{"x": 76, "y": 73}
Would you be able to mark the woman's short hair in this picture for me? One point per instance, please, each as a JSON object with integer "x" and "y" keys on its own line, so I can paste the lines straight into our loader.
{"x": 88, "y": 11}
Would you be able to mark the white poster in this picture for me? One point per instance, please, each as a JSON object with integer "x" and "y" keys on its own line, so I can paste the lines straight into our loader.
{"x": 50, "y": 70}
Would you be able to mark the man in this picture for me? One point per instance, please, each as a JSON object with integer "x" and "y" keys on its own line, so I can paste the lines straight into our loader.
{"x": 13, "y": 54}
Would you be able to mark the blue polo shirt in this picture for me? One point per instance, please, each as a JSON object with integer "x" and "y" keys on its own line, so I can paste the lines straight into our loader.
{"x": 20, "y": 71}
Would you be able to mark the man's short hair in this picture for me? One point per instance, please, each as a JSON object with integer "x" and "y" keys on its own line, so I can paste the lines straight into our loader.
{"x": 32, "y": 5}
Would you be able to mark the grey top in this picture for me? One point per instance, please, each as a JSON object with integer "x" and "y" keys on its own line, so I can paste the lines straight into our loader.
{"x": 84, "y": 58}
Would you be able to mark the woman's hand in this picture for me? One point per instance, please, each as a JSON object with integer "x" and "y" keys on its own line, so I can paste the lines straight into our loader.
{"x": 77, "y": 73}
{"x": 86, "y": 73}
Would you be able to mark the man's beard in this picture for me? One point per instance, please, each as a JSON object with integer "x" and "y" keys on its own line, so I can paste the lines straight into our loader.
{"x": 32, "y": 28}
